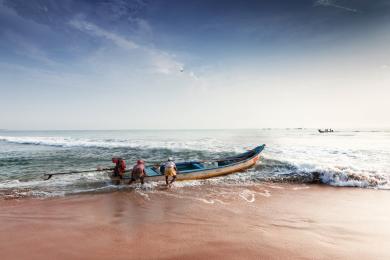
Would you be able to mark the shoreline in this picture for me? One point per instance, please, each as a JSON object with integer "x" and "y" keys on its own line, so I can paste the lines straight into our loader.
{"x": 272, "y": 221}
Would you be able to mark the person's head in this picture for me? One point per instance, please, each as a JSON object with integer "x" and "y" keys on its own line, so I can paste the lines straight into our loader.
{"x": 170, "y": 159}
{"x": 140, "y": 162}
{"x": 114, "y": 160}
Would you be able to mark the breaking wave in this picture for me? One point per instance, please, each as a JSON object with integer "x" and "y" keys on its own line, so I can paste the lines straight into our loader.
{"x": 69, "y": 142}
{"x": 282, "y": 171}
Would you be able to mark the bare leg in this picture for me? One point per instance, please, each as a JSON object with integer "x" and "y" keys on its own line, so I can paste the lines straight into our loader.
{"x": 173, "y": 179}
{"x": 166, "y": 180}
{"x": 131, "y": 181}
{"x": 142, "y": 180}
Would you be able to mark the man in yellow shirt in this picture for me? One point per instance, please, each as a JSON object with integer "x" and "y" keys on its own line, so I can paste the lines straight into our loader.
{"x": 170, "y": 170}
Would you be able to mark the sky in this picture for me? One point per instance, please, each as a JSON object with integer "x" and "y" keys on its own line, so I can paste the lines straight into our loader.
{"x": 116, "y": 64}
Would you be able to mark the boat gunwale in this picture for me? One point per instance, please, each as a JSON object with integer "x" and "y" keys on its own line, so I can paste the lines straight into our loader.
{"x": 224, "y": 159}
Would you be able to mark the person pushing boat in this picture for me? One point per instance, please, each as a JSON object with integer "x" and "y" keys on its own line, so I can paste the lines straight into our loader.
{"x": 138, "y": 172}
{"x": 120, "y": 167}
{"x": 170, "y": 170}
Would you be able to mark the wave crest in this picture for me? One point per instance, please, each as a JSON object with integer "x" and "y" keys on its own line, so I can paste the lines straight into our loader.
{"x": 65, "y": 141}
{"x": 280, "y": 171}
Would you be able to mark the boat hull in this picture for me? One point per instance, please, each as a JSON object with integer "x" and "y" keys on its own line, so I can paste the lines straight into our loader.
{"x": 199, "y": 174}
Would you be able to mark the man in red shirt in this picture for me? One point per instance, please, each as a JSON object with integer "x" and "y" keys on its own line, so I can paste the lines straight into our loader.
{"x": 120, "y": 167}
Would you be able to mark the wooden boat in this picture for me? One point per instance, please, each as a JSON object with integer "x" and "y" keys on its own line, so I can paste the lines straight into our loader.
{"x": 195, "y": 170}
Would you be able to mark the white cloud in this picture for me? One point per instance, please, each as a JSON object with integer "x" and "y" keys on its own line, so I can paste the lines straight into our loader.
{"x": 31, "y": 51}
{"x": 17, "y": 40}
{"x": 164, "y": 62}
{"x": 92, "y": 29}
{"x": 143, "y": 27}
{"x": 330, "y": 3}
{"x": 161, "y": 61}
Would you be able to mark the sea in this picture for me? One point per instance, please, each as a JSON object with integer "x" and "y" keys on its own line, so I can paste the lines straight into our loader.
{"x": 357, "y": 158}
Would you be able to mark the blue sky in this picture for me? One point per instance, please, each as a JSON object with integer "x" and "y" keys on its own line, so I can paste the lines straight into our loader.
{"x": 118, "y": 64}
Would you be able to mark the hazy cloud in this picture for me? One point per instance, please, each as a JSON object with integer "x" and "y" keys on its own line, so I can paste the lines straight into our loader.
{"x": 97, "y": 31}
{"x": 164, "y": 62}
{"x": 330, "y": 3}
{"x": 161, "y": 61}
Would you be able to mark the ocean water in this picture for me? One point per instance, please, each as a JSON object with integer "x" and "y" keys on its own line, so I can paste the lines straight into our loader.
{"x": 356, "y": 158}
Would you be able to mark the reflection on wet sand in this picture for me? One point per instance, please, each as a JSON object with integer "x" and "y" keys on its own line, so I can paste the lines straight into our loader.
{"x": 226, "y": 221}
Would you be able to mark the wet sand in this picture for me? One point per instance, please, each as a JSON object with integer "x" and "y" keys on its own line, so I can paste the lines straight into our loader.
{"x": 267, "y": 221}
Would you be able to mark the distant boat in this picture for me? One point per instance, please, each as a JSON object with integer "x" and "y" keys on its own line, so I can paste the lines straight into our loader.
{"x": 326, "y": 130}
{"x": 195, "y": 170}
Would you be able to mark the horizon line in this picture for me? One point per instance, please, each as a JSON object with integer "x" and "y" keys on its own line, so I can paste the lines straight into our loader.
{"x": 196, "y": 129}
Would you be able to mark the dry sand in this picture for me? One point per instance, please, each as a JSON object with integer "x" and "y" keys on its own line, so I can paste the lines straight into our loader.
{"x": 267, "y": 221}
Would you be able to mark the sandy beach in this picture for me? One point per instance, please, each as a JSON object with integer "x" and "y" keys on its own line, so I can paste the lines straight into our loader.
{"x": 264, "y": 221}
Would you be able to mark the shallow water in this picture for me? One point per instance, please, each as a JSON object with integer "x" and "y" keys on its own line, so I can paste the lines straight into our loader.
{"x": 359, "y": 158}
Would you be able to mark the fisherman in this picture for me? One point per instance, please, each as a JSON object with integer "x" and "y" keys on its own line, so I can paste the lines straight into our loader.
{"x": 138, "y": 172}
{"x": 170, "y": 170}
{"x": 120, "y": 167}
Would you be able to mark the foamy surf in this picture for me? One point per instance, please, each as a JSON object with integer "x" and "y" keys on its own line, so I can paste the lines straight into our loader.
{"x": 68, "y": 142}
{"x": 99, "y": 182}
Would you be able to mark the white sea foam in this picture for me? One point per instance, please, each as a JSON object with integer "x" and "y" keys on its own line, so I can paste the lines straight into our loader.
{"x": 247, "y": 195}
{"x": 207, "y": 201}
{"x": 276, "y": 187}
{"x": 301, "y": 187}
{"x": 69, "y": 142}
{"x": 265, "y": 193}
{"x": 143, "y": 194}
{"x": 59, "y": 141}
